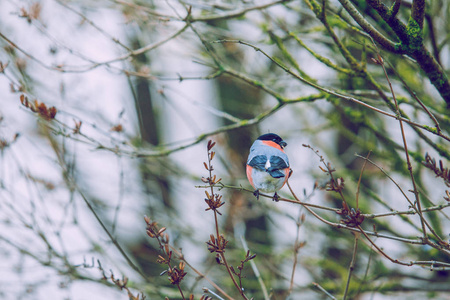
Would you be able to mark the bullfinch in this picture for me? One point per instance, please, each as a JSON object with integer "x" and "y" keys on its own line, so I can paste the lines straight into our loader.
{"x": 268, "y": 165}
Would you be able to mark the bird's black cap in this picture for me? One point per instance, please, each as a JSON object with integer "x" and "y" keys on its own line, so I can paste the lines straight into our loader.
{"x": 274, "y": 138}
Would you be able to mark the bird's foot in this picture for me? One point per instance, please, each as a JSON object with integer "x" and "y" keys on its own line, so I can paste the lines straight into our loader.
{"x": 276, "y": 198}
{"x": 256, "y": 193}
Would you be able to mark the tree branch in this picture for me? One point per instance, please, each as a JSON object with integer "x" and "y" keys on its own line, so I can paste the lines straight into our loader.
{"x": 372, "y": 31}
{"x": 411, "y": 37}
{"x": 395, "y": 8}
{"x": 418, "y": 11}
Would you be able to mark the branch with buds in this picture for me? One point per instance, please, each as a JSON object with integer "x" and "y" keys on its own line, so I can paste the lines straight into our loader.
{"x": 175, "y": 274}
{"x": 40, "y": 108}
{"x": 218, "y": 242}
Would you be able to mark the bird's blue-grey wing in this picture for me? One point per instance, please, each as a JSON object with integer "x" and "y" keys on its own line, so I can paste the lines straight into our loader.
{"x": 258, "y": 162}
{"x": 277, "y": 164}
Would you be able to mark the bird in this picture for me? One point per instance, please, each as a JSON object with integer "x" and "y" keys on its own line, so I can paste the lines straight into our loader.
{"x": 268, "y": 165}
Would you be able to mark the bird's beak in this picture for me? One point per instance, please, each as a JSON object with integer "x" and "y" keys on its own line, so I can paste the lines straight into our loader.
{"x": 283, "y": 144}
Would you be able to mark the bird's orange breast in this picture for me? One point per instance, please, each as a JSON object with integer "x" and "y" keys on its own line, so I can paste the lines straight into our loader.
{"x": 249, "y": 175}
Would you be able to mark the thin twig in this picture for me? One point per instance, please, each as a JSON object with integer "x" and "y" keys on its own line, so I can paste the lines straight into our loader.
{"x": 239, "y": 13}
{"x": 120, "y": 195}
{"x": 414, "y": 95}
{"x": 408, "y": 161}
{"x": 323, "y": 290}
{"x": 90, "y": 22}
{"x": 352, "y": 265}
{"x": 85, "y": 68}
{"x": 407, "y": 212}
{"x": 382, "y": 252}
{"x": 296, "y": 250}
{"x": 256, "y": 271}
{"x": 296, "y": 243}
{"x": 432, "y": 263}
{"x": 209, "y": 18}
{"x": 359, "y": 180}
{"x": 113, "y": 240}
{"x": 208, "y": 291}
{"x": 388, "y": 176}
{"x": 366, "y": 272}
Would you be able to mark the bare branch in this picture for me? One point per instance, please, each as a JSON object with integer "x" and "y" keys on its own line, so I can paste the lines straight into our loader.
{"x": 418, "y": 11}
{"x": 396, "y": 8}
{"x": 326, "y": 90}
{"x": 352, "y": 265}
{"x": 374, "y": 33}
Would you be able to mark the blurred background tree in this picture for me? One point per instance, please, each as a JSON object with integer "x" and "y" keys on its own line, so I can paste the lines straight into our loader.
{"x": 106, "y": 110}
